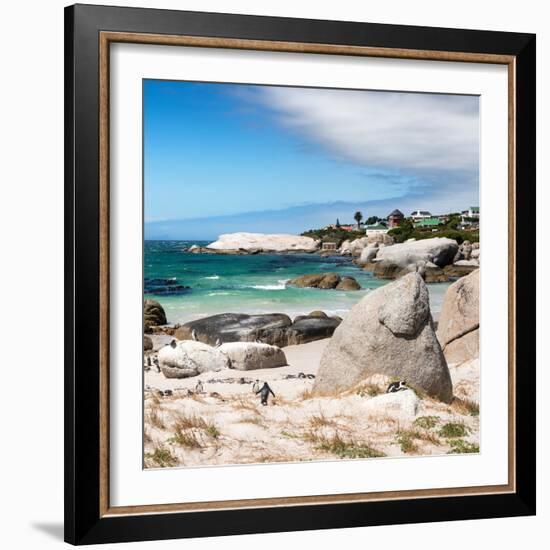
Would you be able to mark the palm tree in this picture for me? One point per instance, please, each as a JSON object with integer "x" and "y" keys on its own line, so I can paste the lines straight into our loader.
{"x": 358, "y": 217}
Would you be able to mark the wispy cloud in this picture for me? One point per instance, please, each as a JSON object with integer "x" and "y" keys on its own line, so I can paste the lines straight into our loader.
{"x": 407, "y": 132}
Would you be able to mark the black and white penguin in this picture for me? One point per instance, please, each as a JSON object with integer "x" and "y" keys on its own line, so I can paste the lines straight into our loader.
{"x": 173, "y": 344}
{"x": 256, "y": 386}
{"x": 264, "y": 392}
{"x": 218, "y": 343}
{"x": 194, "y": 335}
{"x": 397, "y": 386}
{"x": 198, "y": 387}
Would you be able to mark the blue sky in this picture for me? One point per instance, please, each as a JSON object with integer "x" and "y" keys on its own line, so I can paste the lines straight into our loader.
{"x": 220, "y": 158}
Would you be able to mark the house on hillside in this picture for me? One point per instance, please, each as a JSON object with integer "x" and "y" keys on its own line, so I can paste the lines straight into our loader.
{"x": 427, "y": 223}
{"x": 376, "y": 229}
{"x": 470, "y": 216}
{"x": 418, "y": 215}
{"x": 395, "y": 218}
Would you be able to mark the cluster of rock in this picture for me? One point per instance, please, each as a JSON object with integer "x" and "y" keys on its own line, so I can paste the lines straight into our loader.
{"x": 436, "y": 260}
{"x": 325, "y": 281}
{"x": 190, "y": 358}
{"x": 255, "y": 243}
{"x": 390, "y": 332}
{"x": 273, "y": 328}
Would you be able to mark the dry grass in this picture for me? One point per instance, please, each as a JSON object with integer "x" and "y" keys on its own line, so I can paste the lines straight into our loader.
{"x": 241, "y": 404}
{"x": 186, "y": 426}
{"x": 306, "y": 394}
{"x": 256, "y": 419}
{"x": 154, "y": 417}
{"x": 372, "y": 390}
{"x": 465, "y": 406}
{"x": 320, "y": 421}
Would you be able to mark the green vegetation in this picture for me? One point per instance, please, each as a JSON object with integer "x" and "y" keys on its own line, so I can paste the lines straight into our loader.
{"x": 342, "y": 448}
{"x": 358, "y": 217}
{"x": 407, "y": 439}
{"x": 334, "y": 235}
{"x": 407, "y": 231}
{"x": 162, "y": 457}
{"x": 459, "y": 446}
{"x": 426, "y": 422}
{"x": 453, "y": 429}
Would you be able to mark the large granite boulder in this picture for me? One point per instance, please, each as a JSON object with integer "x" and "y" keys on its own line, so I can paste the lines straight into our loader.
{"x": 439, "y": 250}
{"x": 276, "y": 329}
{"x": 357, "y": 246}
{"x": 190, "y": 358}
{"x": 388, "y": 332}
{"x": 232, "y": 327}
{"x": 153, "y": 314}
{"x": 458, "y": 327}
{"x": 253, "y": 355}
{"x": 325, "y": 281}
{"x": 260, "y": 242}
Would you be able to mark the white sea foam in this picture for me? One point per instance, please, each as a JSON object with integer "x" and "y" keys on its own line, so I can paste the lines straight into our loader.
{"x": 281, "y": 285}
{"x": 213, "y": 277}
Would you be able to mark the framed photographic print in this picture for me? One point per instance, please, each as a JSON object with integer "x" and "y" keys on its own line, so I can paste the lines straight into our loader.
{"x": 278, "y": 316}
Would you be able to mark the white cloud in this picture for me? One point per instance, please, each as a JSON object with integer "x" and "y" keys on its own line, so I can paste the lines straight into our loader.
{"x": 408, "y": 132}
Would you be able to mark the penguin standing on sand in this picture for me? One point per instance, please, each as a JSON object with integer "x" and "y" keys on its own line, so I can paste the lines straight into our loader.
{"x": 194, "y": 335}
{"x": 264, "y": 392}
{"x": 256, "y": 386}
{"x": 198, "y": 387}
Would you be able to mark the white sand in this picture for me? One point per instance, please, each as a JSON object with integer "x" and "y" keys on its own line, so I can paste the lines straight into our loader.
{"x": 226, "y": 424}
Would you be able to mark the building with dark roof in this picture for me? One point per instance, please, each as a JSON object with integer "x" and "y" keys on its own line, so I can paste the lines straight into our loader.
{"x": 395, "y": 218}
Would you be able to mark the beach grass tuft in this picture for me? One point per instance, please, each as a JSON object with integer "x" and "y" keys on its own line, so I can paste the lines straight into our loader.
{"x": 426, "y": 422}
{"x": 453, "y": 430}
{"x": 341, "y": 447}
{"x": 459, "y": 446}
{"x": 162, "y": 457}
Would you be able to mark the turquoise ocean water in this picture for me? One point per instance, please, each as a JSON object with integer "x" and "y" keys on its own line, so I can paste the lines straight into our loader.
{"x": 190, "y": 286}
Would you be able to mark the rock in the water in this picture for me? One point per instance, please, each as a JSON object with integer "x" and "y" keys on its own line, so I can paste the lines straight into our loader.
{"x": 260, "y": 242}
{"x": 458, "y": 328}
{"x": 153, "y": 314}
{"x": 402, "y": 404}
{"x": 439, "y": 251}
{"x": 325, "y": 281}
{"x": 388, "y": 332}
{"x": 348, "y": 283}
{"x": 251, "y": 355}
{"x": 232, "y": 327}
{"x": 147, "y": 343}
{"x": 189, "y": 358}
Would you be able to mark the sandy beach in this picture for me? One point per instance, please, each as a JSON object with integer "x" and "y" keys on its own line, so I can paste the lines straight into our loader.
{"x": 225, "y": 423}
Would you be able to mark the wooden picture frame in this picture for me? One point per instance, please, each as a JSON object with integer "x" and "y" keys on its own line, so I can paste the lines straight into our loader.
{"x": 89, "y": 32}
